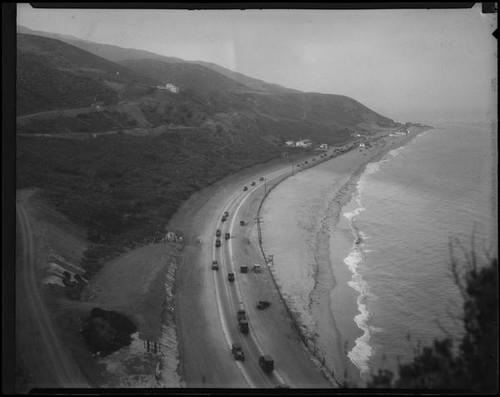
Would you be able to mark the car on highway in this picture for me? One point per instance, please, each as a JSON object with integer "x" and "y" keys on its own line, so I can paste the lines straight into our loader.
{"x": 230, "y": 277}
{"x": 253, "y": 183}
{"x": 261, "y": 178}
{"x": 245, "y": 189}
{"x": 237, "y": 351}
{"x": 217, "y": 243}
{"x": 241, "y": 314}
{"x": 243, "y": 325}
{"x": 242, "y": 223}
{"x": 224, "y": 217}
{"x": 266, "y": 362}
{"x": 226, "y": 214}
{"x": 263, "y": 305}
{"x": 227, "y": 236}
{"x": 215, "y": 265}
{"x": 218, "y": 233}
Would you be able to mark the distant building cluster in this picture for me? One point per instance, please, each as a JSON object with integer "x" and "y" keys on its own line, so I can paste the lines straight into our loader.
{"x": 302, "y": 143}
{"x": 169, "y": 87}
{"x": 305, "y": 143}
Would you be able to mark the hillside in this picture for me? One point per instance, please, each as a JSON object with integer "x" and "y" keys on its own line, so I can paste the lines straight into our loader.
{"x": 156, "y": 147}
{"x": 186, "y": 76}
{"x": 110, "y": 52}
{"x": 118, "y": 54}
{"x": 52, "y": 74}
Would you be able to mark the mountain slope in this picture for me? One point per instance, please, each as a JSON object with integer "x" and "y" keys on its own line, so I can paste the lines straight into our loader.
{"x": 118, "y": 54}
{"x": 223, "y": 94}
{"x": 52, "y": 74}
{"x": 110, "y": 52}
{"x": 184, "y": 75}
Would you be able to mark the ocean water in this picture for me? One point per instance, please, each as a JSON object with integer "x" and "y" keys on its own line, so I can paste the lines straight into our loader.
{"x": 363, "y": 261}
{"x": 405, "y": 211}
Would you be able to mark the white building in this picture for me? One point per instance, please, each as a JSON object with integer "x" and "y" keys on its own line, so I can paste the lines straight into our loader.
{"x": 303, "y": 143}
{"x": 323, "y": 146}
{"x": 290, "y": 143}
{"x": 170, "y": 87}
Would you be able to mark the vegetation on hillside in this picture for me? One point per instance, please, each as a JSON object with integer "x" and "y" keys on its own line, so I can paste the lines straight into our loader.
{"x": 52, "y": 74}
{"x": 106, "y": 331}
{"x": 91, "y": 122}
{"x": 123, "y": 189}
{"x": 474, "y": 367}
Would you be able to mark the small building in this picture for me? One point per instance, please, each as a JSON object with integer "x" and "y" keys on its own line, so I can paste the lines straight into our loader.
{"x": 362, "y": 144}
{"x": 289, "y": 143}
{"x": 303, "y": 143}
{"x": 169, "y": 87}
{"x": 323, "y": 146}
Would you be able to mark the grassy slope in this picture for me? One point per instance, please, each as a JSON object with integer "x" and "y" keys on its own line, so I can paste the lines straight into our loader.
{"x": 123, "y": 189}
{"x": 52, "y": 74}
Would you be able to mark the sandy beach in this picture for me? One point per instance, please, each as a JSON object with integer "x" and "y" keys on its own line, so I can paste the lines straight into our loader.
{"x": 309, "y": 239}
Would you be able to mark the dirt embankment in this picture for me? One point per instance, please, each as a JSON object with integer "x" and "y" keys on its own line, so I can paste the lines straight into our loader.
{"x": 132, "y": 284}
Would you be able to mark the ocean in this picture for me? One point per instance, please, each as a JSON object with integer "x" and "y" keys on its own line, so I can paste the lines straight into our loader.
{"x": 368, "y": 275}
{"x": 410, "y": 209}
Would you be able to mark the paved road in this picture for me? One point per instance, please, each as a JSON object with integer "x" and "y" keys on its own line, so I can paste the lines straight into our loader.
{"x": 40, "y": 353}
{"x": 206, "y": 357}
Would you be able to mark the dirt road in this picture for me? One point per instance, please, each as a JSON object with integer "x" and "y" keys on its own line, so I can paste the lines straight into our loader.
{"x": 44, "y": 359}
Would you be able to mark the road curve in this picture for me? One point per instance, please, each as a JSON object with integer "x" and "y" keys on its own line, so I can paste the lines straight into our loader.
{"x": 218, "y": 301}
{"x": 50, "y": 356}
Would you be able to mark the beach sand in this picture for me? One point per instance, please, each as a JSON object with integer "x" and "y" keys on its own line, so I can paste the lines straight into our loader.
{"x": 309, "y": 238}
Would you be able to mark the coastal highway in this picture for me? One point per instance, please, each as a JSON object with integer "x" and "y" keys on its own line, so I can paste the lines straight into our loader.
{"x": 207, "y": 311}
{"x": 39, "y": 350}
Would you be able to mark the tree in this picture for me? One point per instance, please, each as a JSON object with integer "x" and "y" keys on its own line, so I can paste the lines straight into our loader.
{"x": 475, "y": 366}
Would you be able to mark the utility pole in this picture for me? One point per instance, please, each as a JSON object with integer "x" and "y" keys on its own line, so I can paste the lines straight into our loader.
{"x": 259, "y": 232}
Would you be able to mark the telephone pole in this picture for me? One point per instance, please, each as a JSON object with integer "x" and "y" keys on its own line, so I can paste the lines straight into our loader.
{"x": 259, "y": 231}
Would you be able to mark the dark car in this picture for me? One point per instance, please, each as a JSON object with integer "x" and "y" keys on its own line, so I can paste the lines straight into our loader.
{"x": 261, "y": 178}
{"x": 218, "y": 233}
{"x": 226, "y": 214}
{"x": 242, "y": 223}
{"x": 237, "y": 351}
{"x": 253, "y": 183}
{"x": 224, "y": 218}
{"x": 266, "y": 362}
{"x": 245, "y": 189}
{"x": 227, "y": 236}
{"x": 230, "y": 277}
{"x": 263, "y": 305}
{"x": 215, "y": 265}
{"x": 217, "y": 243}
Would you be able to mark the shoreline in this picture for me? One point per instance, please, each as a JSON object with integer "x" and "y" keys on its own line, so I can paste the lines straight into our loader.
{"x": 325, "y": 279}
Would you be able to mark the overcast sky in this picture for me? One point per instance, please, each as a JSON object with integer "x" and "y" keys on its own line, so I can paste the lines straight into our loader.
{"x": 405, "y": 64}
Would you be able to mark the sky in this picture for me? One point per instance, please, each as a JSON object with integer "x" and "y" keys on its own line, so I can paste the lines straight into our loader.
{"x": 409, "y": 65}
